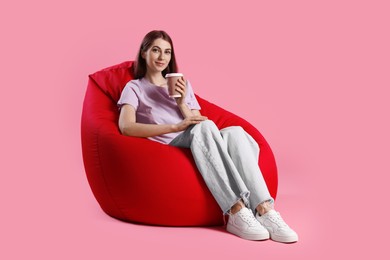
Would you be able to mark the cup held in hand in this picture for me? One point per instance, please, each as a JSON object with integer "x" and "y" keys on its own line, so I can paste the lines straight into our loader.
{"x": 172, "y": 79}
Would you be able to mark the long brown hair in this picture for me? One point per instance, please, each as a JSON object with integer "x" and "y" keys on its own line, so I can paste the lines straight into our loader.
{"x": 139, "y": 66}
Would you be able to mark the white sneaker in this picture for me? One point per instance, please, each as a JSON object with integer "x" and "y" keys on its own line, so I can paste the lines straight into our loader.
{"x": 245, "y": 225}
{"x": 277, "y": 228}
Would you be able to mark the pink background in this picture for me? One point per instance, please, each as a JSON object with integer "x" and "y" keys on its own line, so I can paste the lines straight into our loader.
{"x": 312, "y": 76}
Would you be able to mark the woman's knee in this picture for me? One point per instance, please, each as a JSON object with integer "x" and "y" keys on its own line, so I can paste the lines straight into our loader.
{"x": 233, "y": 131}
{"x": 238, "y": 134}
{"x": 206, "y": 126}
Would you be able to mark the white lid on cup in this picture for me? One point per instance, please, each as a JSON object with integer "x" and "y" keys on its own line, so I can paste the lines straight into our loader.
{"x": 174, "y": 75}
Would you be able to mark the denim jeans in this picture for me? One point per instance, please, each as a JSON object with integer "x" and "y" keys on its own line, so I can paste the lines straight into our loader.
{"x": 228, "y": 162}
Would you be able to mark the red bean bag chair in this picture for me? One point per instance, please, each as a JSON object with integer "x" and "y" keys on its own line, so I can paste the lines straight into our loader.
{"x": 142, "y": 181}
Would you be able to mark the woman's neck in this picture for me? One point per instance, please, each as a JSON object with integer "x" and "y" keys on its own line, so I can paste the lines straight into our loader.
{"x": 156, "y": 78}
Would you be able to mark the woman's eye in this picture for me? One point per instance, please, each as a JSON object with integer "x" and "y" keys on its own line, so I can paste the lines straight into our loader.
{"x": 168, "y": 52}
{"x": 155, "y": 50}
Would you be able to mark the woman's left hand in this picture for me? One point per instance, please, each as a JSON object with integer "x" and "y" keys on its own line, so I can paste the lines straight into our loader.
{"x": 181, "y": 88}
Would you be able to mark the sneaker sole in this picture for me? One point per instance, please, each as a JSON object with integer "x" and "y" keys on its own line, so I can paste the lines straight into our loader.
{"x": 237, "y": 232}
{"x": 282, "y": 239}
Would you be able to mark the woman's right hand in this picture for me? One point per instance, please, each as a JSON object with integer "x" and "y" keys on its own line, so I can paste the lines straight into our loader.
{"x": 191, "y": 120}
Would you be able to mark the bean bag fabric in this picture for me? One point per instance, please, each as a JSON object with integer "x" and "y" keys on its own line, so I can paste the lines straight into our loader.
{"x": 142, "y": 181}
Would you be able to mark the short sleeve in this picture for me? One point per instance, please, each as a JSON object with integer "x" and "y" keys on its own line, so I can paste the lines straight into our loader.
{"x": 129, "y": 96}
{"x": 191, "y": 100}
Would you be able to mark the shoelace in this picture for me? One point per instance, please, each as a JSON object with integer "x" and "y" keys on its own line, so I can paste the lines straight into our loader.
{"x": 277, "y": 219}
{"x": 249, "y": 219}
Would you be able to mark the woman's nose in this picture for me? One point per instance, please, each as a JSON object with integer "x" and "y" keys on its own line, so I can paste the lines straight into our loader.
{"x": 161, "y": 56}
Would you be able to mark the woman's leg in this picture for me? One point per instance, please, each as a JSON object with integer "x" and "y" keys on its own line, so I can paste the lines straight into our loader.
{"x": 214, "y": 163}
{"x": 212, "y": 158}
{"x": 244, "y": 152}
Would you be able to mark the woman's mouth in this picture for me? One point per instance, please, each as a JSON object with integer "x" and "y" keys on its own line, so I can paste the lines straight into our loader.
{"x": 160, "y": 64}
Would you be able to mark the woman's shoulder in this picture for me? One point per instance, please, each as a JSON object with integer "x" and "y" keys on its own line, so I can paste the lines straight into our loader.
{"x": 134, "y": 84}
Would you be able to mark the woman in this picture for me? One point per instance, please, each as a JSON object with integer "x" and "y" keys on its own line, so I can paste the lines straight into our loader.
{"x": 146, "y": 110}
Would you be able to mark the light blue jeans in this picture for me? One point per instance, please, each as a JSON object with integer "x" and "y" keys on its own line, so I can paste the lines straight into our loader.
{"x": 228, "y": 162}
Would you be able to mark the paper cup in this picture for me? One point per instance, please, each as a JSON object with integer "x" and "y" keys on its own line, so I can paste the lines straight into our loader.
{"x": 172, "y": 79}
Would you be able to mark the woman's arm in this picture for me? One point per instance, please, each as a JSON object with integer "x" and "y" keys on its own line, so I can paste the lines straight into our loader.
{"x": 186, "y": 112}
{"x": 196, "y": 112}
{"x": 184, "y": 109}
{"x": 128, "y": 126}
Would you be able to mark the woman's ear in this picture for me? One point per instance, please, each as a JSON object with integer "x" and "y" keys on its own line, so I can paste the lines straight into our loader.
{"x": 143, "y": 54}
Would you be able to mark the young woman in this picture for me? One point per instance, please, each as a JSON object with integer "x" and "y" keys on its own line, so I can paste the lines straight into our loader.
{"x": 146, "y": 110}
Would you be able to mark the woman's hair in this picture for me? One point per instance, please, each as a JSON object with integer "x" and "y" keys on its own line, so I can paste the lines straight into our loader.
{"x": 139, "y": 66}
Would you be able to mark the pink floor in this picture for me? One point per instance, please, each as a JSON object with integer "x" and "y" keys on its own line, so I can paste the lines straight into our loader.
{"x": 313, "y": 77}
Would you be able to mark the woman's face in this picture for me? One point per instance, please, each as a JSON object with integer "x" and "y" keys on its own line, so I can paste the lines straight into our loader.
{"x": 158, "y": 56}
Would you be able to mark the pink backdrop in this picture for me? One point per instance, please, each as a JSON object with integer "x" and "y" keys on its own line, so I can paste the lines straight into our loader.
{"x": 312, "y": 76}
